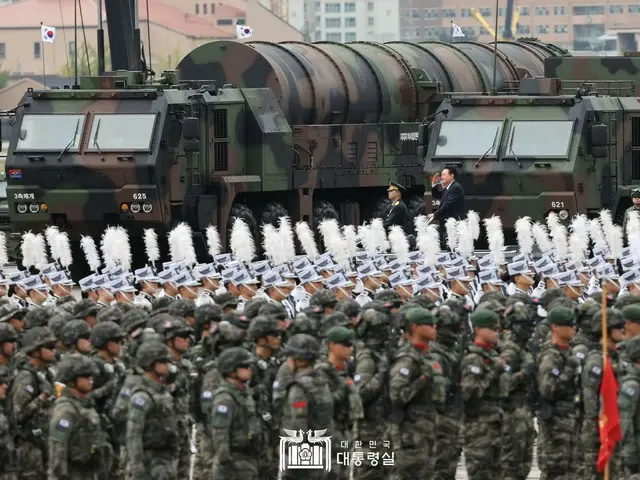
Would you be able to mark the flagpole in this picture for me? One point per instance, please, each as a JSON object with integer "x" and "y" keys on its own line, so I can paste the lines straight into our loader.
{"x": 605, "y": 346}
{"x": 44, "y": 69}
{"x": 75, "y": 42}
{"x": 495, "y": 48}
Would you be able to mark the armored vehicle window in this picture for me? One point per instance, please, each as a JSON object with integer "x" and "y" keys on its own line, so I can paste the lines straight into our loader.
{"x": 50, "y": 133}
{"x": 469, "y": 138}
{"x": 541, "y": 139}
{"x": 122, "y": 132}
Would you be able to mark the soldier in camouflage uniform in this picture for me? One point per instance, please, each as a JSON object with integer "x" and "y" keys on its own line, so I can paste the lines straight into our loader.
{"x": 481, "y": 370}
{"x": 347, "y": 405}
{"x": 106, "y": 339}
{"x": 7, "y": 447}
{"x": 32, "y": 395}
{"x": 417, "y": 388}
{"x": 75, "y": 336}
{"x": 371, "y": 379}
{"x": 152, "y": 439}
{"x": 631, "y": 314}
{"x": 557, "y": 388}
{"x": 629, "y": 406}
{"x": 235, "y": 425}
{"x": 177, "y": 334}
{"x": 518, "y": 433}
{"x": 266, "y": 333}
{"x": 448, "y": 348}
{"x": 308, "y": 403}
{"x": 8, "y": 344}
{"x": 590, "y": 380}
{"x": 78, "y": 446}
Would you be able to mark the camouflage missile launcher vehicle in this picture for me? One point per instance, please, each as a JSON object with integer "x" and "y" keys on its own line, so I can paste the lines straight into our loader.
{"x": 253, "y": 130}
{"x": 568, "y": 143}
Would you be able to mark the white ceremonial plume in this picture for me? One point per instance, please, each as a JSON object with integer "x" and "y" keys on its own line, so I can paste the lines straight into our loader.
{"x": 579, "y": 238}
{"x": 399, "y": 244}
{"x": 473, "y": 220}
{"x": 451, "y": 229}
{"x": 4, "y": 257}
{"x": 365, "y": 235}
{"x": 495, "y": 239}
{"x": 427, "y": 240}
{"x": 181, "y": 246}
{"x": 63, "y": 248}
{"x": 612, "y": 233}
{"x": 151, "y": 245}
{"x": 271, "y": 244}
{"x": 597, "y": 235}
{"x": 288, "y": 244}
{"x": 50, "y": 234}
{"x": 91, "y": 254}
{"x": 214, "y": 246}
{"x": 558, "y": 233}
{"x": 41, "y": 259}
{"x": 379, "y": 236}
{"x": 541, "y": 237}
{"x": 465, "y": 239}
{"x": 333, "y": 241}
{"x": 241, "y": 242}
{"x": 524, "y": 235}
{"x": 351, "y": 239}
{"x": 124, "y": 253}
{"x": 633, "y": 234}
{"x": 28, "y": 249}
{"x": 307, "y": 240}
{"x": 109, "y": 244}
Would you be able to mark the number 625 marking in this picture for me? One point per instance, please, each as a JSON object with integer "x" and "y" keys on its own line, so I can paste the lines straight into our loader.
{"x": 139, "y": 196}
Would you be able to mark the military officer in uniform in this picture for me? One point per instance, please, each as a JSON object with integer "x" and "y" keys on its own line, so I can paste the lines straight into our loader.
{"x": 635, "y": 197}
{"x": 397, "y": 213}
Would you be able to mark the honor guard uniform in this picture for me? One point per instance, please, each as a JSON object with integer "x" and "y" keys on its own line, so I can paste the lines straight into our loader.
{"x": 459, "y": 285}
{"x": 37, "y": 291}
{"x": 211, "y": 284}
{"x": 61, "y": 285}
{"x": 311, "y": 282}
{"x": 489, "y": 282}
{"x": 340, "y": 285}
{"x": 521, "y": 277}
{"x": 147, "y": 281}
{"x": 431, "y": 287}
{"x": 397, "y": 213}
{"x": 402, "y": 284}
{"x": 187, "y": 286}
{"x": 19, "y": 296}
{"x": 169, "y": 288}
{"x": 103, "y": 288}
{"x": 370, "y": 276}
{"x": 122, "y": 290}
{"x": 277, "y": 289}
{"x": 247, "y": 287}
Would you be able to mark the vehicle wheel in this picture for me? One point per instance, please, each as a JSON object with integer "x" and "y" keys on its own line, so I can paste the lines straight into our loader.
{"x": 272, "y": 213}
{"x": 415, "y": 207}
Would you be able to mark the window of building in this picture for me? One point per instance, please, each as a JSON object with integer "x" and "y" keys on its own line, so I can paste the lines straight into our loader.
{"x": 350, "y": 22}
{"x": 633, "y": 8}
{"x": 589, "y": 10}
{"x": 197, "y": 8}
{"x": 465, "y": 12}
{"x": 371, "y": 22}
{"x": 483, "y": 31}
{"x": 370, "y": 6}
{"x": 242, "y": 21}
{"x": 350, "y": 7}
{"x": 559, "y": 10}
{"x": 332, "y": 22}
{"x": 213, "y": 9}
{"x": 3, "y": 51}
{"x": 486, "y": 12}
{"x": 524, "y": 11}
{"x": 332, "y": 8}
{"x": 589, "y": 31}
{"x": 72, "y": 48}
{"x": 501, "y": 12}
{"x": 449, "y": 13}
{"x": 333, "y": 37}
{"x": 36, "y": 49}
{"x": 542, "y": 28}
{"x": 431, "y": 13}
{"x": 224, "y": 21}
{"x": 204, "y": 8}
{"x": 524, "y": 29}
{"x": 561, "y": 28}
{"x": 616, "y": 9}
{"x": 350, "y": 37}
{"x": 542, "y": 11}
{"x": 414, "y": 14}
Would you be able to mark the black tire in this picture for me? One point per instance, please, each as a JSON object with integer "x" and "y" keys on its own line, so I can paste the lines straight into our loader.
{"x": 380, "y": 208}
{"x": 272, "y": 213}
{"x": 322, "y": 211}
{"x": 240, "y": 210}
{"x": 415, "y": 207}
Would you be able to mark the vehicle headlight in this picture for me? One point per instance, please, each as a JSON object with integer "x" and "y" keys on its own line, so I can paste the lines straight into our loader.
{"x": 22, "y": 208}
{"x": 34, "y": 208}
{"x": 147, "y": 207}
{"x": 563, "y": 215}
{"x": 135, "y": 207}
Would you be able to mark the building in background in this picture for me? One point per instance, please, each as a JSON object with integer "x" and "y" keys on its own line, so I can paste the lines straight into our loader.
{"x": 577, "y": 25}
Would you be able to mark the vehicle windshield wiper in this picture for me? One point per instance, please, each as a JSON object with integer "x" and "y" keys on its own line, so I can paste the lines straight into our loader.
{"x": 511, "y": 152}
{"x": 484, "y": 155}
{"x": 71, "y": 142}
{"x": 95, "y": 138}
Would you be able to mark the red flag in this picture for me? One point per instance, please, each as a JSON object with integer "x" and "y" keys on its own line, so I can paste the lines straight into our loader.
{"x": 609, "y": 421}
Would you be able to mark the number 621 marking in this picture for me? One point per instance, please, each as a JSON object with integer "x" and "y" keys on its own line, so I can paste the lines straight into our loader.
{"x": 557, "y": 204}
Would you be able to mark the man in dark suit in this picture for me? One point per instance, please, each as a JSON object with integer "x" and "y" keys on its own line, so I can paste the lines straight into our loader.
{"x": 445, "y": 187}
{"x": 397, "y": 213}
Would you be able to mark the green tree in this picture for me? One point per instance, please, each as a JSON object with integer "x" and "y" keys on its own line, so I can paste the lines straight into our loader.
{"x": 4, "y": 76}
{"x": 167, "y": 62}
{"x": 87, "y": 60}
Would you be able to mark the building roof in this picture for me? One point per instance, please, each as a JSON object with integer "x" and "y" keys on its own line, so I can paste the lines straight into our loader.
{"x": 223, "y": 10}
{"x": 59, "y": 13}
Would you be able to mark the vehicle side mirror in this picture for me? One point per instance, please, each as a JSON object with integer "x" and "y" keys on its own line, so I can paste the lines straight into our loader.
{"x": 423, "y": 139}
{"x": 599, "y": 135}
{"x": 191, "y": 134}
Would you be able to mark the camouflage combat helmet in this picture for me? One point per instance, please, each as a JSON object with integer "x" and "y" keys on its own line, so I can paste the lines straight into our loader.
{"x": 302, "y": 324}
{"x": 74, "y": 366}
{"x": 227, "y": 335}
{"x": 323, "y": 298}
{"x": 106, "y": 332}
{"x": 85, "y": 308}
{"x": 67, "y": 307}
{"x": 150, "y": 353}
{"x": 549, "y": 296}
{"x": 74, "y": 330}
{"x": 302, "y": 347}
{"x": 58, "y": 321}
{"x": 275, "y": 310}
{"x": 448, "y": 319}
{"x": 336, "y": 319}
{"x": 8, "y": 333}
{"x": 233, "y": 358}
{"x": 520, "y": 297}
{"x": 67, "y": 300}
{"x": 124, "y": 307}
{"x": 133, "y": 319}
{"x": 38, "y": 317}
{"x": 161, "y": 304}
{"x": 109, "y": 314}
{"x": 390, "y": 298}
{"x": 252, "y": 307}
{"x": 633, "y": 349}
{"x": 11, "y": 310}
{"x": 208, "y": 313}
{"x": 493, "y": 305}
{"x": 457, "y": 305}
{"x": 175, "y": 327}
{"x": 560, "y": 302}
{"x": 5, "y": 375}
{"x": 182, "y": 308}
{"x": 36, "y": 338}
{"x": 373, "y": 324}
{"x": 615, "y": 319}
{"x": 493, "y": 297}
{"x": 263, "y": 326}
{"x": 626, "y": 299}
{"x": 226, "y": 299}
{"x": 237, "y": 320}
{"x": 349, "y": 307}
{"x": 422, "y": 300}
{"x": 585, "y": 312}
